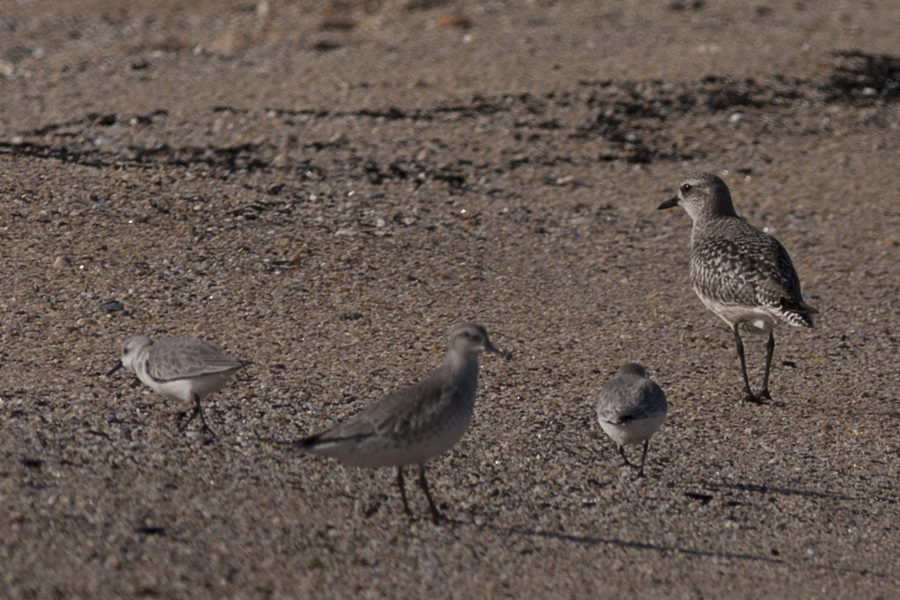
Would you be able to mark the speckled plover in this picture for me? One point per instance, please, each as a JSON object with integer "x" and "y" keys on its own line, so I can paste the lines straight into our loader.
{"x": 742, "y": 274}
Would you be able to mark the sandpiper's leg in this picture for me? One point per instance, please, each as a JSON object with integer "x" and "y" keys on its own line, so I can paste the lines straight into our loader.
{"x": 770, "y": 349}
{"x": 197, "y": 412}
{"x": 402, "y": 487}
{"x": 643, "y": 458}
{"x": 423, "y": 483}
{"x": 748, "y": 393}
{"x": 625, "y": 458}
{"x": 194, "y": 412}
{"x": 206, "y": 429}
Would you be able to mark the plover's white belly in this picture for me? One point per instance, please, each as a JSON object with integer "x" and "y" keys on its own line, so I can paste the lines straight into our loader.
{"x": 754, "y": 319}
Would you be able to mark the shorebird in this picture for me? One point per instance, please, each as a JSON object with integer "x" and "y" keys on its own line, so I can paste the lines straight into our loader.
{"x": 740, "y": 273}
{"x": 184, "y": 369}
{"x": 631, "y": 408}
{"x": 413, "y": 424}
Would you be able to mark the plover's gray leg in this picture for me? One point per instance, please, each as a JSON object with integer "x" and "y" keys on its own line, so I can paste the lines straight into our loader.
{"x": 402, "y": 487}
{"x": 423, "y": 483}
{"x": 770, "y": 349}
{"x": 748, "y": 392}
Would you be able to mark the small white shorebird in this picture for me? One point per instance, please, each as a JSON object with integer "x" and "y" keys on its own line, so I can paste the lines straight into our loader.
{"x": 740, "y": 273}
{"x": 631, "y": 408}
{"x": 185, "y": 369}
{"x": 413, "y": 424}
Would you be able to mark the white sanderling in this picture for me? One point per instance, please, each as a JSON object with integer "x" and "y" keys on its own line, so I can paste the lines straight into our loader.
{"x": 631, "y": 408}
{"x": 415, "y": 423}
{"x": 740, "y": 273}
{"x": 184, "y": 369}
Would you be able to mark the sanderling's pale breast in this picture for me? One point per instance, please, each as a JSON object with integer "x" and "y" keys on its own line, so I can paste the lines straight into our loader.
{"x": 631, "y": 408}
{"x": 413, "y": 424}
{"x": 184, "y": 369}
{"x": 740, "y": 273}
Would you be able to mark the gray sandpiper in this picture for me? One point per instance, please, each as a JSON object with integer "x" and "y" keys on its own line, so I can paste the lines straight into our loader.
{"x": 413, "y": 424}
{"x": 631, "y": 408}
{"x": 183, "y": 369}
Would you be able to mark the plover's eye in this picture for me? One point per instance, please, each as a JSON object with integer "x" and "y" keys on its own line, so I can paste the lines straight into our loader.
{"x": 685, "y": 188}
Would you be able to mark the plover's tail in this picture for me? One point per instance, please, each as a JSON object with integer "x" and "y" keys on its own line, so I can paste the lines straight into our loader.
{"x": 797, "y": 312}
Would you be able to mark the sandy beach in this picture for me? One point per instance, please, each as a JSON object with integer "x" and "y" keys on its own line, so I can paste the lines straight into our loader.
{"x": 326, "y": 189}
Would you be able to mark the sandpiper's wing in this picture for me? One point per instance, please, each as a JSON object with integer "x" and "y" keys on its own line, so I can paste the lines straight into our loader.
{"x": 179, "y": 358}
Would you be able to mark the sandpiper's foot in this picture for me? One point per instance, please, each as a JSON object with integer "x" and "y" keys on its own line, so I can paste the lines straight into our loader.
{"x": 628, "y": 463}
{"x": 184, "y": 420}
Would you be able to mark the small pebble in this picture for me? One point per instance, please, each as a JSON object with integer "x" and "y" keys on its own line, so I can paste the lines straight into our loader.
{"x": 453, "y": 20}
{"x": 111, "y": 306}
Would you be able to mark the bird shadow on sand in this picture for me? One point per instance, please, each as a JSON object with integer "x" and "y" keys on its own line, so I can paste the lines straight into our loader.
{"x": 633, "y": 545}
{"x": 664, "y": 550}
{"x": 767, "y": 489}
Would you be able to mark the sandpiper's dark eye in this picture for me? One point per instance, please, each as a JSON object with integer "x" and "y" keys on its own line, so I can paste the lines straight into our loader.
{"x": 685, "y": 187}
